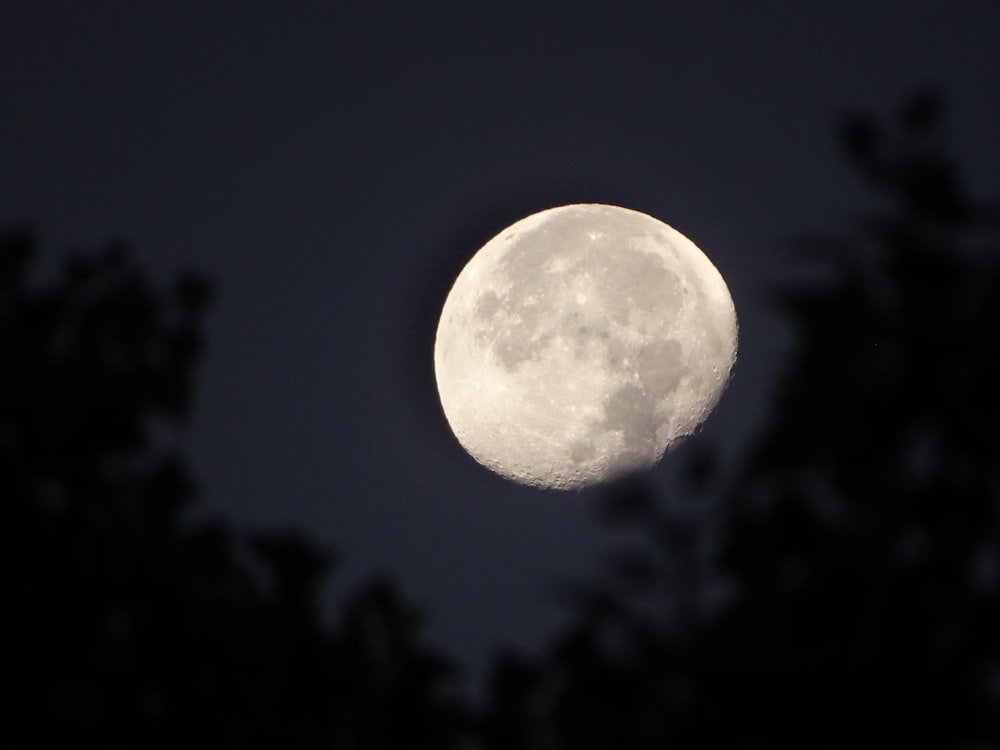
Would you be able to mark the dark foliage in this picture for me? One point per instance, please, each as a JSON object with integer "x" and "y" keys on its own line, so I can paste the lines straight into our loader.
{"x": 131, "y": 627}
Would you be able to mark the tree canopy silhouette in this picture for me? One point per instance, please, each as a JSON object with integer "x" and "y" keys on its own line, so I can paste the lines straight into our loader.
{"x": 134, "y": 627}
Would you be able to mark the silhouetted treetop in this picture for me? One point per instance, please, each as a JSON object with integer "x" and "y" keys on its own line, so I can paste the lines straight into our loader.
{"x": 135, "y": 626}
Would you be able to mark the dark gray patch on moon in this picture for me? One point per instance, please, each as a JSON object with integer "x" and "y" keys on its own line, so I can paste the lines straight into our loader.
{"x": 632, "y": 411}
{"x": 487, "y": 306}
{"x": 661, "y": 367}
{"x": 513, "y": 350}
{"x": 638, "y": 280}
{"x": 582, "y": 452}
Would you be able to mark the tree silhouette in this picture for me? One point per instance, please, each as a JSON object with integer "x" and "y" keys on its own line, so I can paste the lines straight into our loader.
{"x": 862, "y": 537}
{"x": 133, "y": 626}
{"x": 868, "y": 513}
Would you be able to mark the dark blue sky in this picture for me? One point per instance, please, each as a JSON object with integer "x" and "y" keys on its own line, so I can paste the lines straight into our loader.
{"x": 333, "y": 165}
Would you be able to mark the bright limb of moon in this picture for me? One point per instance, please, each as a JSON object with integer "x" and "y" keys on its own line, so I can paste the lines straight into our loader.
{"x": 580, "y": 343}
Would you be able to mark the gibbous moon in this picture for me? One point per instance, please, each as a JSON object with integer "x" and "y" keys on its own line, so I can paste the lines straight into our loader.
{"x": 581, "y": 342}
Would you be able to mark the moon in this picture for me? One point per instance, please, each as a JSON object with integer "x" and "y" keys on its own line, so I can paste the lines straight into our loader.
{"x": 580, "y": 343}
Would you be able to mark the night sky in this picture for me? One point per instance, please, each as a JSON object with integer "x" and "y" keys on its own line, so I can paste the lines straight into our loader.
{"x": 333, "y": 165}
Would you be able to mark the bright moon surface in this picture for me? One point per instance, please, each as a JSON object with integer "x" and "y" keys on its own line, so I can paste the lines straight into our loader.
{"x": 581, "y": 342}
